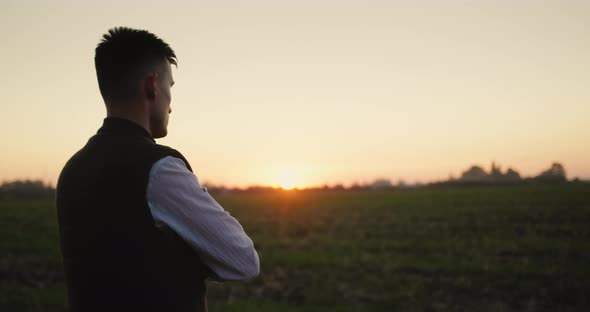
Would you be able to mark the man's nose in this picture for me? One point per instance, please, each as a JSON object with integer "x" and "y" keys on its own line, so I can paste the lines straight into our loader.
{"x": 170, "y": 110}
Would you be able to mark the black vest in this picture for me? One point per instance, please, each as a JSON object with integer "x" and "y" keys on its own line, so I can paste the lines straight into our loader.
{"x": 115, "y": 258}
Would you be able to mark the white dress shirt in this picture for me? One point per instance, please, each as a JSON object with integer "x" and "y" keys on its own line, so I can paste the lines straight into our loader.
{"x": 176, "y": 200}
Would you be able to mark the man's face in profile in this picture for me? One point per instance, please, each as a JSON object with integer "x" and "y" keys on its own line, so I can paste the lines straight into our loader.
{"x": 160, "y": 107}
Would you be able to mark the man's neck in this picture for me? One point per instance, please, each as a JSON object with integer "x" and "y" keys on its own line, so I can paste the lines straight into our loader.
{"x": 137, "y": 117}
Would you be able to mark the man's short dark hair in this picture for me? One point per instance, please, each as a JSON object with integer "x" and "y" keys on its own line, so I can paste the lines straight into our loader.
{"x": 123, "y": 56}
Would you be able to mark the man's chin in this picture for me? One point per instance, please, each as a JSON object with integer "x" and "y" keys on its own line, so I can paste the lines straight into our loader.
{"x": 159, "y": 134}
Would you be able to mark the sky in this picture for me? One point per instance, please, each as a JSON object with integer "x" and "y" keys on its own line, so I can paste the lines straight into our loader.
{"x": 314, "y": 92}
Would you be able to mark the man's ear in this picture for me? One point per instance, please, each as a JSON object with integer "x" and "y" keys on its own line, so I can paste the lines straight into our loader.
{"x": 151, "y": 85}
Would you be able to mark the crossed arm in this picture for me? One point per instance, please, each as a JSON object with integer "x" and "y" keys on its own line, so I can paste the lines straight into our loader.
{"x": 177, "y": 200}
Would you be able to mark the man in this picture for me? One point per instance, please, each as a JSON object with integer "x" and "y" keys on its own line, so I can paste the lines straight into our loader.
{"x": 137, "y": 231}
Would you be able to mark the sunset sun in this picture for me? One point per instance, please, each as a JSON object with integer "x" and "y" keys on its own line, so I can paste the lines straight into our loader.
{"x": 287, "y": 185}
{"x": 288, "y": 179}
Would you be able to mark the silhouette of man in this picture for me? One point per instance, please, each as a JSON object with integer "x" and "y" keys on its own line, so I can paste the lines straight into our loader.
{"x": 137, "y": 231}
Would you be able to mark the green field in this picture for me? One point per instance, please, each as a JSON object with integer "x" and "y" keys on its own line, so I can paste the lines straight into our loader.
{"x": 502, "y": 248}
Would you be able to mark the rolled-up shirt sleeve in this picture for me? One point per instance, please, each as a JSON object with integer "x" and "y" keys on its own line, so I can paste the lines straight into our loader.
{"x": 177, "y": 200}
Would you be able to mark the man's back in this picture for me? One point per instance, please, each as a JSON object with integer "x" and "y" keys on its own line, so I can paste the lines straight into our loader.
{"x": 137, "y": 230}
{"x": 114, "y": 255}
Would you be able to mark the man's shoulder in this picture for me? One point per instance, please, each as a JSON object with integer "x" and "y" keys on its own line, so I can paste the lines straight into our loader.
{"x": 164, "y": 151}
{"x": 140, "y": 153}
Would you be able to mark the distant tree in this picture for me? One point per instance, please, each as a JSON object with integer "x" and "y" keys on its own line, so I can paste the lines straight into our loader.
{"x": 381, "y": 184}
{"x": 555, "y": 173}
{"x": 496, "y": 172}
{"x": 356, "y": 187}
{"x": 338, "y": 187}
{"x": 512, "y": 175}
{"x": 475, "y": 174}
{"x": 260, "y": 189}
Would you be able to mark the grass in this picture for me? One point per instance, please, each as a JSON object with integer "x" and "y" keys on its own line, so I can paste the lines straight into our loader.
{"x": 503, "y": 248}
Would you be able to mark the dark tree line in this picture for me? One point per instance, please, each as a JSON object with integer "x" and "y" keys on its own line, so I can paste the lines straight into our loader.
{"x": 478, "y": 175}
{"x": 26, "y": 189}
{"x": 36, "y": 189}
